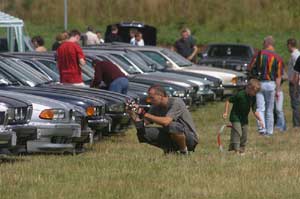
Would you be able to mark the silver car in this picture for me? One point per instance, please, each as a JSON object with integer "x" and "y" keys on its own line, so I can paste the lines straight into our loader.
{"x": 55, "y": 123}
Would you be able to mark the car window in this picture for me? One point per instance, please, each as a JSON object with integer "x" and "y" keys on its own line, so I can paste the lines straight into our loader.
{"x": 175, "y": 57}
{"x": 52, "y": 65}
{"x": 126, "y": 65}
{"x": 156, "y": 57}
{"x": 139, "y": 62}
{"x": 229, "y": 51}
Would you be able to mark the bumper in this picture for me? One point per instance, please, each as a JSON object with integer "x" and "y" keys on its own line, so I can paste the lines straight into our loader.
{"x": 208, "y": 96}
{"x": 120, "y": 122}
{"x": 55, "y": 138}
{"x": 8, "y": 139}
{"x": 99, "y": 123}
{"x": 45, "y": 145}
{"x": 219, "y": 91}
{"x": 24, "y": 133}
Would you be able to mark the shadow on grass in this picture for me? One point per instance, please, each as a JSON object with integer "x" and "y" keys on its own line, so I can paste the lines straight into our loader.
{"x": 6, "y": 159}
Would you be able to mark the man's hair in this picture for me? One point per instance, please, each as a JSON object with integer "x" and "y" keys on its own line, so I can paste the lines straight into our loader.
{"x": 269, "y": 40}
{"x": 39, "y": 40}
{"x": 185, "y": 30}
{"x": 292, "y": 42}
{"x": 158, "y": 90}
{"x": 138, "y": 34}
{"x": 254, "y": 84}
{"x": 74, "y": 32}
{"x": 114, "y": 28}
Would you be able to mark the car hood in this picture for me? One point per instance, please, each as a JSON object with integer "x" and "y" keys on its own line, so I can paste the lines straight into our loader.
{"x": 225, "y": 77}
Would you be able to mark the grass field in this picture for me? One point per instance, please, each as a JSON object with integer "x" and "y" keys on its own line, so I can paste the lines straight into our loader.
{"x": 120, "y": 167}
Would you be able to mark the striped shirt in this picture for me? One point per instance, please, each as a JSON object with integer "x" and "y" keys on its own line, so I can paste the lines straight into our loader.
{"x": 268, "y": 64}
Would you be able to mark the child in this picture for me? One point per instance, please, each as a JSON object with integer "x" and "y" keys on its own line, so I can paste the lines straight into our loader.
{"x": 242, "y": 102}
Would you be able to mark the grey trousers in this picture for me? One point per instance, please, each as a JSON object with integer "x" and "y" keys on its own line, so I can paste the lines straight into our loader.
{"x": 160, "y": 136}
{"x": 295, "y": 103}
{"x": 238, "y": 136}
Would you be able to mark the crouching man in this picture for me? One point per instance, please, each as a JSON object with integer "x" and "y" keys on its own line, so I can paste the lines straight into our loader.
{"x": 176, "y": 131}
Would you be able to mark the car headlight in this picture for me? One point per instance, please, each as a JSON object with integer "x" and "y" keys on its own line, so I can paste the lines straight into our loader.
{"x": 52, "y": 114}
{"x": 16, "y": 114}
{"x": 116, "y": 108}
{"x": 178, "y": 94}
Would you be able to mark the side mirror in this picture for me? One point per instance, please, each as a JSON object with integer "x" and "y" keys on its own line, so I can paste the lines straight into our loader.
{"x": 169, "y": 64}
{"x": 153, "y": 66}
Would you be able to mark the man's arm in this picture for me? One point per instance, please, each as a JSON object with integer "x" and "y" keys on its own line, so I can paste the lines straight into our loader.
{"x": 82, "y": 62}
{"x": 225, "y": 114}
{"x": 164, "y": 121}
{"x": 257, "y": 116}
{"x": 194, "y": 53}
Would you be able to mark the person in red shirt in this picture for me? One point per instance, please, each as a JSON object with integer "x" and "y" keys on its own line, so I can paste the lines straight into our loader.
{"x": 70, "y": 59}
{"x": 111, "y": 75}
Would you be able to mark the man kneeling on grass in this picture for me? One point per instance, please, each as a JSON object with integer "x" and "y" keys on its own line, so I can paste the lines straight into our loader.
{"x": 242, "y": 102}
{"x": 176, "y": 132}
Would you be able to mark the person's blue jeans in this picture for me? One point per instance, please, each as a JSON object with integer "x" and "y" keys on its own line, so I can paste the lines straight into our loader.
{"x": 265, "y": 100}
{"x": 280, "y": 123}
{"x": 119, "y": 85}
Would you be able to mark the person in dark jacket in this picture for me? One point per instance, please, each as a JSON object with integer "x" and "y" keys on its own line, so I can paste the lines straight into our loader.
{"x": 107, "y": 72}
{"x": 113, "y": 36}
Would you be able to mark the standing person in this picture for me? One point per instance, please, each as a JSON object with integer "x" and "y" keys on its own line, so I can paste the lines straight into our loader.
{"x": 99, "y": 35}
{"x": 186, "y": 46}
{"x": 280, "y": 123}
{"x": 61, "y": 37}
{"x": 111, "y": 75}
{"x": 177, "y": 131}
{"x": 242, "y": 102}
{"x": 91, "y": 37}
{"x": 114, "y": 35}
{"x": 70, "y": 59}
{"x": 132, "y": 33}
{"x": 139, "y": 41}
{"x": 38, "y": 43}
{"x": 268, "y": 67}
{"x": 294, "y": 89}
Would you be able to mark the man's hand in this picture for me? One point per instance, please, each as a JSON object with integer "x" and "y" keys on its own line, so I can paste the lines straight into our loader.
{"x": 225, "y": 115}
{"x": 261, "y": 124}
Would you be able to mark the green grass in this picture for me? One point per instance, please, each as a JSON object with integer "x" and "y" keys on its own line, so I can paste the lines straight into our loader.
{"x": 120, "y": 167}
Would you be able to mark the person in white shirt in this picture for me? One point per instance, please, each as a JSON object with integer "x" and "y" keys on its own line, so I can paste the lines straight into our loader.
{"x": 139, "y": 39}
{"x": 294, "y": 88}
{"x": 132, "y": 36}
{"x": 99, "y": 35}
{"x": 92, "y": 38}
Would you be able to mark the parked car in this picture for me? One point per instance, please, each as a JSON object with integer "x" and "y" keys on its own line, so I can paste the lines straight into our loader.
{"x": 183, "y": 90}
{"x": 230, "y": 56}
{"x": 15, "y": 114}
{"x": 81, "y": 97}
{"x": 231, "y": 80}
{"x": 54, "y": 121}
{"x": 133, "y": 60}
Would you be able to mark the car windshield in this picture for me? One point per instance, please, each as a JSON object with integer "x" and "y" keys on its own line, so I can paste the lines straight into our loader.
{"x": 126, "y": 65}
{"x": 29, "y": 75}
{"x": 229, "y": 51}
{"x": 139, "y": 62}
{"x": 52, "y": 65}
{"x": 175, "y": 57}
